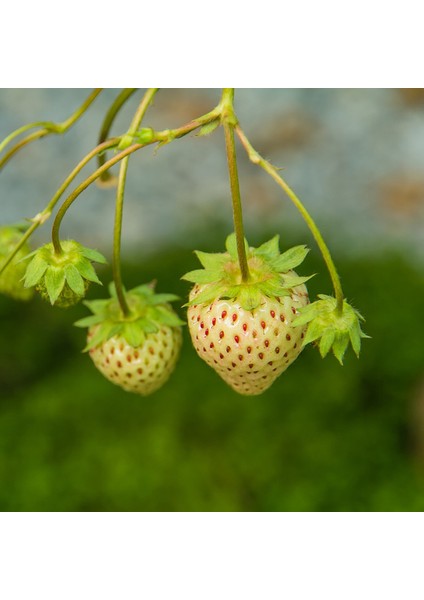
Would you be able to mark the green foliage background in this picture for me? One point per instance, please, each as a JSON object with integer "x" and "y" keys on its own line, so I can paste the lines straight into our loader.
{"x": 323, "y": 438}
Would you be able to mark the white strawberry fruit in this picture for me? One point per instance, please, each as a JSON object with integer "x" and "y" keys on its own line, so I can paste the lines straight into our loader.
{"x": 244, "y": 330}
{"x": 138, "y": 352}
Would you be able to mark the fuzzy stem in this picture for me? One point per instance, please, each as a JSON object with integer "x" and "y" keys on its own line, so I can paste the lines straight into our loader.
{"x": 108, "y": 179}
{"x": 116, "y": 265}
{"x": 42, "y": 217}
{"x": 229, "y": 121}
{"x": 257, "y": 159}
{"x": 48, "y": 128}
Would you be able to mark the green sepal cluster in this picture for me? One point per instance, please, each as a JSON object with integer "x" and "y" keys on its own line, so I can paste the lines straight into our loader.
{"x": 330, "y": 329}
{"x": 148, "y": 312}
{"x": 11, "y": 278}
{"x": 270, "y": 273}
{"x": 62, "y": 279}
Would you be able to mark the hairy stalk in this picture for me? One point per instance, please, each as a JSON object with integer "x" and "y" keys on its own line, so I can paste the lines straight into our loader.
{"x": 116, "y": 264}
{"x": 43, "y": 216}
{"x": 47, "y": 128}
{"x": 107, "y": 179}
{"x": 257, "y": 159}
{"x": 229, "y": 121}
{"x": 157, "y": 137}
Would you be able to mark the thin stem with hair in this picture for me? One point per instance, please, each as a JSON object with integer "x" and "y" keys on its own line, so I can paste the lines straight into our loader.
{"x": 257, "y": 159}
{"x": 47, "y": 128}
{"x": 229, "y": 121}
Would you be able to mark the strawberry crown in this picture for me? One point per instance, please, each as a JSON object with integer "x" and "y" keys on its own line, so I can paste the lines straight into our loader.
{"x": 148, "y": 312}
{"x": 66, "y": 274}
{"x": 270, "y": 273}
{"x": 330, "y": 329}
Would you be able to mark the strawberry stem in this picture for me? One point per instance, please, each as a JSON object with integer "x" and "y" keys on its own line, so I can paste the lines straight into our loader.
{"x": 114, "y": 108}
{"x": 229, "y": 121}
{"x": 116, "y": 264}
{"x": 257, "y": 159}
{"x": 47, "y": 128}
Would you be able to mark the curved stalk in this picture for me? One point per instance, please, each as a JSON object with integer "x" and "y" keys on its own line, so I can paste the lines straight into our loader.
{"x": 107, "y": 179}
{"x": 120, "y": 194}
{"x": 48, "y": 128}
{"x": 257, "y": 159}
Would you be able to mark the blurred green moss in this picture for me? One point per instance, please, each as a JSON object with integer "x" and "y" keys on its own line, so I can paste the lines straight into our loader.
{"x": 323, "y": 438}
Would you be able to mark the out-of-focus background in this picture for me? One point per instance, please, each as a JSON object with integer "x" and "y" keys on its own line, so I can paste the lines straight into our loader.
{"x": 324, "y": 437}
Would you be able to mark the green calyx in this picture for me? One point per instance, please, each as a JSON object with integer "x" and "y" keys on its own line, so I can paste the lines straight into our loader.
{"x": 270, "y": 273}
{"x": 148, "y": 312}
{"x": 330, "y": 329}
{"x": 62, "y": 279}
{"x": 11, "y": 278}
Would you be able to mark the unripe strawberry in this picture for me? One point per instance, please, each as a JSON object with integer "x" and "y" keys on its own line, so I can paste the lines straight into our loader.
{"x": 62, "y": 278}
{"x": 244, "y": 330}
{"x": 138, "y": 352}
{"x": 11, "y": 278}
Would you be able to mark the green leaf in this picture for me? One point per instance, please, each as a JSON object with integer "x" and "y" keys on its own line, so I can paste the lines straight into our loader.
{"x": 211, "y": 293}
{"x": 269, "y": 249}
{"x": 272, "y": 287}
{"x": 86, "y": 269}
{"x": 74, "y": 280}
{"x": 202, "y": 276}
{"x": 355, "y": 337}
{"x": 231, "y": 245}
{"x": 35, "y": 271}
{"x": 147, "y": 325}
{"x": 168, "y": 317}
{"x": 314, "y": 331}
{"x": 290, "y": 259}
{"x": 208, "y": 128}
{"x": 339, "y": 347}
{"x": 210, "y": 260}
{"x": 93, "y": 255}
{"x": 292, "y": 281}
{"x": 163, "y": 298}
{"x": 249, "y": 297}
{"x": 98, "y": 307}
{"x": 133, "y": 334}
{"x": 89, "y": 321}
{"x": 106, "y": 330}
{"x": 54, "y": 280}
{"x": 326, "y": 341}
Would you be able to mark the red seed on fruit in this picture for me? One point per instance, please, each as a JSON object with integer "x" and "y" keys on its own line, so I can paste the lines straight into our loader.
{"x": 263, "y": 324}
{"x": 236, "y": 339}
{"x": 223, "y": 314}
{"x": 228, "y": 349}
{"x": 213, "y": 321}
{"x": 288, "y": 337}
{"x": 272, "y": 313}
{"x": 249, "y": 349}
{"x": 277, "y": 351}
{"x": 221, "y": 334}
{"x": 244, "y": 327}
{"x": 261, "y": 355}
{"x": 266, "y": 343}
{"x": 234, "y": 317}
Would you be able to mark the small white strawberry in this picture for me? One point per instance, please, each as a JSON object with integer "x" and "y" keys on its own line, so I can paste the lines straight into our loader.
{"x": 244, "y": 330}
{"x": 138, "y": 352}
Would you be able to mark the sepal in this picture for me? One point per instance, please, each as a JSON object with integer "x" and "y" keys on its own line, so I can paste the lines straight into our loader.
{"x": 331, "y": 329}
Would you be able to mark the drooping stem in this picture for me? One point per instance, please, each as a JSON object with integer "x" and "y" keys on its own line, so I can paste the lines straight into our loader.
{"x": 257, "y": 159}
{"x": 47, "y": 128}
{"x": 116, "y": 264}
{"x": 84, "y": 185}
{"x": 123, "y": 96}
{"x": 45, "y": 214}
{"x": 229, "y": 121}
